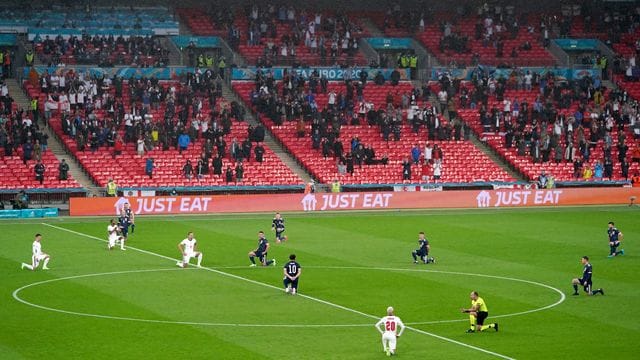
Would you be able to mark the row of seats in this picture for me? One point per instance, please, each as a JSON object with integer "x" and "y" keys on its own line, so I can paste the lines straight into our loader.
{"x": 128, "y": 168}
{"x": 462, "y": 162}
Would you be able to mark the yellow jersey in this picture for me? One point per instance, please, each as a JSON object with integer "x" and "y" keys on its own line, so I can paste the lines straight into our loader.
{"x": 479, "y": 304}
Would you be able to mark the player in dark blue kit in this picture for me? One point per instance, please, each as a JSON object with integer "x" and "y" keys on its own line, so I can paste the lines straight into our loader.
{"x": 615, "y": 237}
{"x": 585, "y": 280}
{"x": 423, "y": 251}
{"x": 130, "y": 216}
{"x": 261, "y": 252}
{"x": 278, "y": 226}
{"x": 123, "y": 224}
{"x": 292, "y": 271}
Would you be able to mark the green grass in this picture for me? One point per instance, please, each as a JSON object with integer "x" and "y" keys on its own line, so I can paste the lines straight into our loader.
{"x": 355, "y": 265}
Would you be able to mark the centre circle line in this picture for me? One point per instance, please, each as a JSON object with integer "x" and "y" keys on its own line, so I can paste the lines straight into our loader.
{"x": 42, "y": 307}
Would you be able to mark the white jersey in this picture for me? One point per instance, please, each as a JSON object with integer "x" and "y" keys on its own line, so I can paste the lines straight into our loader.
{"x": 391, "y": 324}
{"x": 188, "y": 245}
{"x": 36, "y": 248}
{"x": 112, "y": 230}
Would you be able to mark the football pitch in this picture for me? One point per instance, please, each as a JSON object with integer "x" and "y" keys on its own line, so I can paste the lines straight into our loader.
{"x": 134, "y": 304}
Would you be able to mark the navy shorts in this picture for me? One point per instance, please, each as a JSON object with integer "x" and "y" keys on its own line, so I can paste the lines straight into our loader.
{"x": 293, "y": 283}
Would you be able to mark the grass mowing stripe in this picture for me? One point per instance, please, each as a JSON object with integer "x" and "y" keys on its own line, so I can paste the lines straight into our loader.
{"x": 489, "y": 352}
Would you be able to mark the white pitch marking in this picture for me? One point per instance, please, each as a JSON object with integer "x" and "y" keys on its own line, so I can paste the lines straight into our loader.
{"x": 299, "y": 295}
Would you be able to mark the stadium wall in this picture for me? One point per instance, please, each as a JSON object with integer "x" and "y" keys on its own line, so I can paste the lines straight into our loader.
{"x": 313, "y": 202}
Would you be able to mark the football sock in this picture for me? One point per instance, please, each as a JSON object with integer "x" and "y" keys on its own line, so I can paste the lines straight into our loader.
{"x": 612, "y": 251}
{"x": 575, "y": 287}
{"x": 253, "y": 259}
{"x": 30, "y": 267}
{"x": 199, "y": 259}
{"x": 489, "y": 326}
{"x": 269, "y": 262}
{"x": 133, "y": 228}
{"x": 415, "y": 258}
{"x": 122, "y": 244}
{"x": 46, "y": 261}
{"x": 472, "y": 321}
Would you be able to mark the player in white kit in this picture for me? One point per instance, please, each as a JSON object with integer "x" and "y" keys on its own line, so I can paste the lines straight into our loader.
{"x": 113, "y": 230}
{"x": 188, "y": 249}
{"x": 392, "y": 328}
{"x": 37, "y": 255}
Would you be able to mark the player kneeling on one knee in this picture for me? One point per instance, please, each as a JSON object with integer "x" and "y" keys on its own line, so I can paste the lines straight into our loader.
{"x": 423, "y": 251}
{"x": 188, "y": 249}
{"x": 37, "y": 255}
{"x": 391, "y": 327}
{"x": 292, "y": 271}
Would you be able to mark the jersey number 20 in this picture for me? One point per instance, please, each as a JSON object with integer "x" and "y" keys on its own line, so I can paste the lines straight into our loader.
{"x": 390, "y": 326}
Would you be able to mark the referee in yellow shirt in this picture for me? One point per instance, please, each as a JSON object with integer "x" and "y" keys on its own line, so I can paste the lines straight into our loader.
{"x": 478, "y": 312}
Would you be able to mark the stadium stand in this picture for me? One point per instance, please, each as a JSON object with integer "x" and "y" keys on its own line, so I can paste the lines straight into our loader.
{"x": 460, "y": 160}
{"x": 125, "y": 113}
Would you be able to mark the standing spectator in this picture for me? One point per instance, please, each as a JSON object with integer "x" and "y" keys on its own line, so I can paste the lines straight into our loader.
{"x": 437, "y": 169}
{"x": 63, "y": 170}
{"x": 406, "y": 169}
{"x": 112, "y": 188}
{"x": 118, "y": 146}
{"x": 27, "y": 152}
{"x": 415, "y": 154}
{"x": 187, "y": 170}
{"x": 239, "y": 172}
{"x": 148, "y": 167}
{"x": 183, "y": 142}
{"x": 259, "y": 151}
{"x": 229, "y": 174}
{"x": 140, "y": 146}
{"x": 217, "y": 165}
{"x": 39, "y": 169}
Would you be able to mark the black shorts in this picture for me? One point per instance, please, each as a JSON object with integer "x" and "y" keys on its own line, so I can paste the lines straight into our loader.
{"x": 615, "y": 243}
{"x": 293, "y": 283}
{"x": 279, "y": 233}
{"x": 481, "y": 316}
{"x": 587, "y": 286}
{"x": 261, "y": 256}
{"x": 422, "y": 252}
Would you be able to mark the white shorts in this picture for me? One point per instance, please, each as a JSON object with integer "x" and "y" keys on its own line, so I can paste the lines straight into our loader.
{"x": 113, "y": 239}
{"x": 35, "y": 259}
{"x": 188, "y": 256}
{"x": 390, "y": 338}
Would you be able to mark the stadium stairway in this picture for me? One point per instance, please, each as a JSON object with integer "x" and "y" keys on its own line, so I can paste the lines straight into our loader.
{"x": 269, "y": 140}
{"x": 175, "y": 55}
{"x": 496, "y": 158}
{"x": 372, "y": 28}
{"x": 54, "y": 143}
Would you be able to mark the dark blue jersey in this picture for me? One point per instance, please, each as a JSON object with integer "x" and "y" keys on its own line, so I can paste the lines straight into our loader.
{"x": 262, "y": 245}
{"x": 278, "y": 224}
{"x": 423, "y": 244}
{"x": 586, "y": 272}
{"x": 128, "y": 213}
{"x": 613, "y": 233}
{"x": 292, "y": 268}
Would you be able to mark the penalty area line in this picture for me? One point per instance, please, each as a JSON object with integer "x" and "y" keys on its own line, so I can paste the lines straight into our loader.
{"x": 318, "y": 300}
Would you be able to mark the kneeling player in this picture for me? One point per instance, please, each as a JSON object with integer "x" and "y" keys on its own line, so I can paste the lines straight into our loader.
{"x": 423, "y": 251}
{"x": 115, "y": 236}
{"x": 390, "y": 325}
{"x": 292, "y": 271}
{"x": 37, "y": 255}
{"x": 585, "y": 280}
{"x": 278, "y": 226}
{"x": 615, "y": 237}
{"x": 188, "y": 250}
{"x": 261, "y": 252}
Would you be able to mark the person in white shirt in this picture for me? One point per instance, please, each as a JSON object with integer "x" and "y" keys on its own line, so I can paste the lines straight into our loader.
{"x": 392, "y": 328}
{"x": 37, "y": 255}
{"x": 114, "y": 235}
{"x": 188, "y": 249}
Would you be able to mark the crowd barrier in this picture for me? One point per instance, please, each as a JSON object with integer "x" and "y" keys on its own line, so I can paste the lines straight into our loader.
{"x": 314, "y": 202}
{"x": 28, "y": 213}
